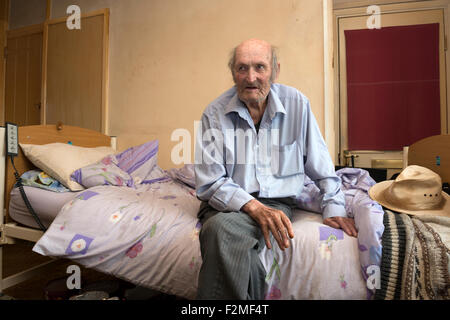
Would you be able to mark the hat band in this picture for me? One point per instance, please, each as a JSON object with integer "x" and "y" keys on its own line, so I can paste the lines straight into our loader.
{"x": 408, "y": 204}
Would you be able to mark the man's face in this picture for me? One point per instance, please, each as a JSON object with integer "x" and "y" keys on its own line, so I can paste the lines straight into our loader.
{"x": 252, "y": 72}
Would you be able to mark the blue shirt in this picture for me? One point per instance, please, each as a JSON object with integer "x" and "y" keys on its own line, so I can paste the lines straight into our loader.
{"x": 234, "y": 161}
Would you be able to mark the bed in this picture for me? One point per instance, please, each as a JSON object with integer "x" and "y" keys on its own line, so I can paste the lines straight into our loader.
{"x": 11, "y": 231}
{"x": 146, "y": 232}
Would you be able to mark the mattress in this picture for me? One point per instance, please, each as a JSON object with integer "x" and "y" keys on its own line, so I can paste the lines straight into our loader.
{"x": 149, "y": 236}
{"x": 45, "y": 203}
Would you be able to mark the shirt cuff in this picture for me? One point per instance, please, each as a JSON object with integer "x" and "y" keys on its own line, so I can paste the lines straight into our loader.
{"x": 239, "y": 198}
{"x": 334, "y": 210}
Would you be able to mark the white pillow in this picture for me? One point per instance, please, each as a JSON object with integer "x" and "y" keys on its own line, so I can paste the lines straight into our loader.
{"x": 59, "y": 160}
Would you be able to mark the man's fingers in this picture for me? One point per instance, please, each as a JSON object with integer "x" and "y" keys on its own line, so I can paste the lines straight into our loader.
{"x": 266, "y": 236}
{"x": 346, "y": 228}
{"x": 346, "y": 224}
{"x": 276, "y": 234}
{"x": 273, "y": 221}
{"x": 332, "y": 223}
{"x": 350, "y": 226}
{"x": 288, "y": 225}
{"x": 283, "y": 232}
{"x": 353, "y": 227}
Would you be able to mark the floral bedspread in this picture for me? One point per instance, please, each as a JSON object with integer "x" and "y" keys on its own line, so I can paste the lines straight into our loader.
{"x": 149, "y": 236}
{"x": 368, "y": 215}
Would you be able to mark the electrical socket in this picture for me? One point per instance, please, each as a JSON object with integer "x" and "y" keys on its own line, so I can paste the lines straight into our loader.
{"x": 12, "y": 147}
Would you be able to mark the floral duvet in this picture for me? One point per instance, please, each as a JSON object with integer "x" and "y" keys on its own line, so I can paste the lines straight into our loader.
{"x": 149, "y": 236}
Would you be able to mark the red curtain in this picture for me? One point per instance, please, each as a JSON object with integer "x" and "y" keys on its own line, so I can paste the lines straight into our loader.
{"x": 392, "y": 86}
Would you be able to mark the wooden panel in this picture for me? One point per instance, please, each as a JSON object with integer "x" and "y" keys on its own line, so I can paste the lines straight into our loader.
{"x": 48, "y": 134}
{"x": 4, "y": 10}
{"x": 34, "y": 84}
{"x": 21, "y": 85}
{"x": 10, "y": 77}
{"x": 433, "y": 153}
{"x": 74, "y": 75}
{"x": 25, "y": 31}
{"x": 23, "y": 76}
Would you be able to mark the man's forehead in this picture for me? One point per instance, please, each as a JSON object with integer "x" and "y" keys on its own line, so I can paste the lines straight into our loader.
{"x": 254, "y": 49}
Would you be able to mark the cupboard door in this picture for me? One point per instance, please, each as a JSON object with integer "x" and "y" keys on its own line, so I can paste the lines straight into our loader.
{"x": 75, "y": 84}
{"x": 23, "y": 79}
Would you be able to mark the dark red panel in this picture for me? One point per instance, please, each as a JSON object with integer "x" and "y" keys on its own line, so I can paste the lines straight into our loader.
{"x": 392, "y": 86}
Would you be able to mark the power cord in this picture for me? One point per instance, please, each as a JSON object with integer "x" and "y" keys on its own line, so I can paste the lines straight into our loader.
{"x": 24, "y": 196}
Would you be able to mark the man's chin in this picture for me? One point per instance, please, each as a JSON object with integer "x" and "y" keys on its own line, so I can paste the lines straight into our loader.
{"x": 251, "y": 98}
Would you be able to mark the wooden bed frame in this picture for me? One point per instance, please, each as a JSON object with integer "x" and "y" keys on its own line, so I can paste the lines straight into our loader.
{"x": 10, "y": 231}
{"x": 432, "y": 152}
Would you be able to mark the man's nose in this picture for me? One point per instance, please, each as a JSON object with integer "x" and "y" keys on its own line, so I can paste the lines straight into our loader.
{"x": 251, "y": 75}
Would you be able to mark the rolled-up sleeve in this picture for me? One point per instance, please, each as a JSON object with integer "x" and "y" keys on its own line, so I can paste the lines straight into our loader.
{"x": 212, "y": 183}
{"x": 320, "y": 168}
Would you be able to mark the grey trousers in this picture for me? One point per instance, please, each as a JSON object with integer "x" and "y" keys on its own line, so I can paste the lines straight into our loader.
{"x": 230, "y": 243}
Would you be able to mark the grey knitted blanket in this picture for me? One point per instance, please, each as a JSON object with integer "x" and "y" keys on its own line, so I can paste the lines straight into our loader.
{"x": 415, "y": 258}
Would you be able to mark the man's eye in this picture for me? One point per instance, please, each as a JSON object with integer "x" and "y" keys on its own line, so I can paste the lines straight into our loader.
{"x": 260, "y": 67}
{"x": 242, "y": 68}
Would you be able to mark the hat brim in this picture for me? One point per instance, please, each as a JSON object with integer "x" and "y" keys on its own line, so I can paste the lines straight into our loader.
{"x": 376, "y": 192}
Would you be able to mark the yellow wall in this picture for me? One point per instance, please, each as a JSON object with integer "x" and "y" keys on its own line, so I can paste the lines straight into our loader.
{"x": 26, "y": 12}
{"x": 168, "y": 58}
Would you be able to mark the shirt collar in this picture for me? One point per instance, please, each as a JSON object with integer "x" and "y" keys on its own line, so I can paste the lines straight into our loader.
{"x": 236, "y": 105}
{"x": 274, "y": 105}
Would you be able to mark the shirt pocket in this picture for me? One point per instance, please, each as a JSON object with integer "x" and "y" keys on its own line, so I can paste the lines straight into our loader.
{"x": 286, "y": 160}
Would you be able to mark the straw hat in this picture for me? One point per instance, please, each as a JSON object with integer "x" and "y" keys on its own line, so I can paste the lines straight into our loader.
{"x": 416, "y": 190}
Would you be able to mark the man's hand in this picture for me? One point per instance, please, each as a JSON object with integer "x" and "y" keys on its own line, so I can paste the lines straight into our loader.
{"x": 347, "y": 224}
{"x": 272, "y": 220}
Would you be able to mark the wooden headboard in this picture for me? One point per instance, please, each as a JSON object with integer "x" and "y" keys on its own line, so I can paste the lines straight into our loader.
{"x": 44, "y": 134}
{"x": 432, "y": 153}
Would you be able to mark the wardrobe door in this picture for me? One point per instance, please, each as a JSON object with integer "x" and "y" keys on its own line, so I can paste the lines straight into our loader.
{"x": 76, "y": 72}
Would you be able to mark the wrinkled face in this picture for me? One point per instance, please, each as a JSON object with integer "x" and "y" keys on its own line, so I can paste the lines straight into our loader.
{"x": 252, "y": 72}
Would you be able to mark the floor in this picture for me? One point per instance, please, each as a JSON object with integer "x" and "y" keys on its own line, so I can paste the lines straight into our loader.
{"x": 51, "y": 284}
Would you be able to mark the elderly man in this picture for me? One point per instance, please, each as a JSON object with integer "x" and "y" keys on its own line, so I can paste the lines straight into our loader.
{"x": 256, "y": 143}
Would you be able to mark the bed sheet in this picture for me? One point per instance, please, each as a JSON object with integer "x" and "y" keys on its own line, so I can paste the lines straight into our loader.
{"x": 322, "y": 263}
{"x": 45, "y": 203}
{"x": 149, "y": 236}
{"x": 367, "y": 213}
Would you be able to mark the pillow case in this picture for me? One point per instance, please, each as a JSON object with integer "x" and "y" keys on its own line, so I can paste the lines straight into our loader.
{"x": 59, "y": 160}
{"x": 104, "y": 172}
{"x": 139, "y": 161}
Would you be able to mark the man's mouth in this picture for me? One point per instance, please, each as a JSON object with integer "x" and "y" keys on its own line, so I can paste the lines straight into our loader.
{"x": 251, "y": 88}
